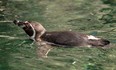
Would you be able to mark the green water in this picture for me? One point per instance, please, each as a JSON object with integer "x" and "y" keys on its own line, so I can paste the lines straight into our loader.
{"x": 91, "y": 17}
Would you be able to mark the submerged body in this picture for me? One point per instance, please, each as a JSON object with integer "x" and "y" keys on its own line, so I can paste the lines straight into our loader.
{"x": 70, "y": 38}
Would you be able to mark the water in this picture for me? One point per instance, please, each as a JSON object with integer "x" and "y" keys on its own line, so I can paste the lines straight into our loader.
{"x": 16, "y": 53}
